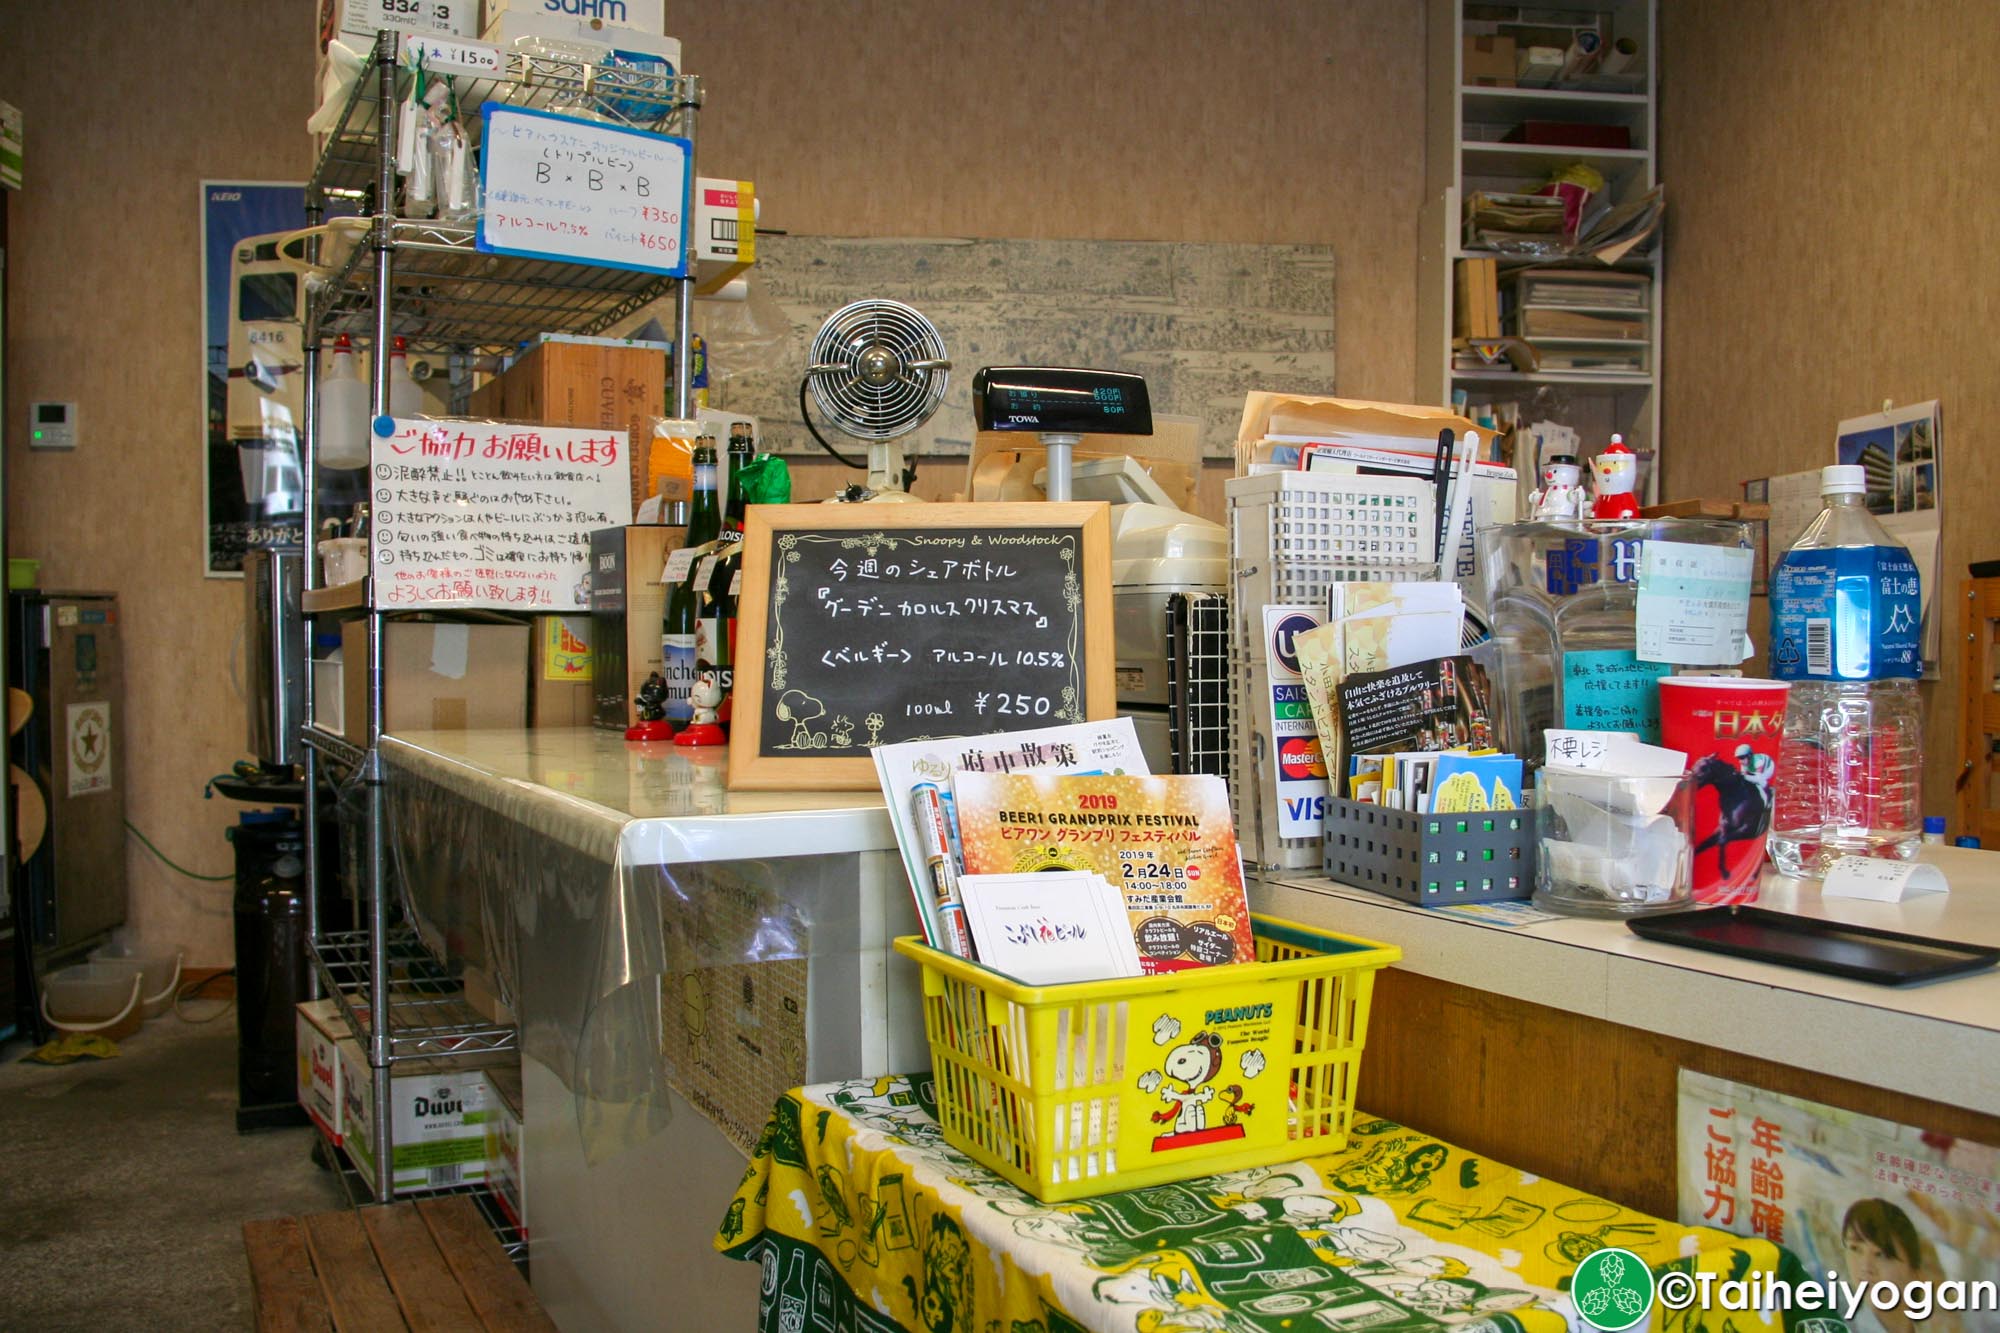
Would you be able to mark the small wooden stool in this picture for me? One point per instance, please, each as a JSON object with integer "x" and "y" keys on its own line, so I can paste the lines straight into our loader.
{"x": 430, "y": 1265}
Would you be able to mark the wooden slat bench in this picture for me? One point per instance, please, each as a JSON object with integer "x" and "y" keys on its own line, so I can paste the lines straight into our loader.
{"x": 429, "y": 1265}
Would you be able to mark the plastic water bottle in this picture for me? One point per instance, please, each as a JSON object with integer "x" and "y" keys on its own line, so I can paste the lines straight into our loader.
{"x": 1845, "y": 630}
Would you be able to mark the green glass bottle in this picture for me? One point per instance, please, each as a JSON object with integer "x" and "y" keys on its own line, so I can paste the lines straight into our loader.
{"x": 685, "y": 599}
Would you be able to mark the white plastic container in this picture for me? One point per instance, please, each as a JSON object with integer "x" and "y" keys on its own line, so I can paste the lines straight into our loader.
{"x": 343, "y": 410}
{"x": 99, "y": 998}
{"x": 343, "y": 560}
{"x": 159, "y": 973}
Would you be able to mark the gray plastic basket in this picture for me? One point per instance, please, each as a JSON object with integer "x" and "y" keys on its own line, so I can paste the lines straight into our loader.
{"x": 1481, "y": 856}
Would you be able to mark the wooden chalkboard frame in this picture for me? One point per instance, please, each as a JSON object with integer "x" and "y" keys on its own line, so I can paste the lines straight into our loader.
{"x": 751, "y": 770}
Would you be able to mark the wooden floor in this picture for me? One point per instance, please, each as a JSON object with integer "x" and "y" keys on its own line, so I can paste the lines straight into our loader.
{"x": 430, "y": 1265}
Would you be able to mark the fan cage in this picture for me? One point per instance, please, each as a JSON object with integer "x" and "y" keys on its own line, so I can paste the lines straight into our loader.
{"x": 886, "y": 411}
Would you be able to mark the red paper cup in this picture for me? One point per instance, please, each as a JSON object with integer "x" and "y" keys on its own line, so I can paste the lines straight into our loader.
{"x": 1730, "y": 728}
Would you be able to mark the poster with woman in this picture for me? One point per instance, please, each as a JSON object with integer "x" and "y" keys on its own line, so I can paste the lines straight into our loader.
{"x": 1869, "y": 1199}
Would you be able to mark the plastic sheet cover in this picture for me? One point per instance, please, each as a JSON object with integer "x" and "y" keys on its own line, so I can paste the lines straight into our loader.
{"x": 646, "y": 927}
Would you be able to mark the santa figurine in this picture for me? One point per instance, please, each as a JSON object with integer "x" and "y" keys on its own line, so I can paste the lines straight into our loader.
{"x": 706, "y": 696}
{"x": 1561, "y": 494}
{"x": 1616, "y": 474}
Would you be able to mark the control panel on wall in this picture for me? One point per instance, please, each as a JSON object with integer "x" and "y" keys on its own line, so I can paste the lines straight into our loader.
{"x": 52, "y": 425}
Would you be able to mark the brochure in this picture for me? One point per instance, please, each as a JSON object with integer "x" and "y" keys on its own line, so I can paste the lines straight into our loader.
{"x": 1051, "y": 928}
{"x": 1083, "y": 747}
{"x": 1436, "y": 705}
{"x": 1166, "y": 842}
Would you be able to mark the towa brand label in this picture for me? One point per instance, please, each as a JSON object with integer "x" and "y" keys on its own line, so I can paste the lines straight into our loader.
{"x": 1850, "y": 613}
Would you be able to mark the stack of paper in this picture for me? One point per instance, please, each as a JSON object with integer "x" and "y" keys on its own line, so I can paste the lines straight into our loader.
{"x": 1051, "y": 927}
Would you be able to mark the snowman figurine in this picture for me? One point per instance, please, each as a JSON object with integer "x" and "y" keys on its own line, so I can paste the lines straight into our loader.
{"x": 1561, "y": 494}
{"x": 706, "y": 696}
{"x": 1616, "y": 474}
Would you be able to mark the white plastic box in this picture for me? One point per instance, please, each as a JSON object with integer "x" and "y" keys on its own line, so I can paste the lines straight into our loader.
{"x": 438, "y": 1111}
{"x": 319, "y": 1026}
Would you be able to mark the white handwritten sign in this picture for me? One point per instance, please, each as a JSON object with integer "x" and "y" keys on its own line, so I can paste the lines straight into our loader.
{"x": 582, "y": 191}
{"x": 474, "y": 514}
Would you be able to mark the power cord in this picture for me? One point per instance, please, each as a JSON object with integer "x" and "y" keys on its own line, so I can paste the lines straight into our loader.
{"x": 806, "y": 417}
{"x": 193, "y": 990}
{"x": 169, "y": 861}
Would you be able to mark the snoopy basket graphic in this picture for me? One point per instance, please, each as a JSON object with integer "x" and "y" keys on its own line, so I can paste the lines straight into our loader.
{"x": 1071, "y": 1091}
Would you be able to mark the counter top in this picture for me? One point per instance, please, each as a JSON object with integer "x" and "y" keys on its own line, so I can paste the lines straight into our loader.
{"x": 1940, "y": 1040}
{"x": 651, "y": 803}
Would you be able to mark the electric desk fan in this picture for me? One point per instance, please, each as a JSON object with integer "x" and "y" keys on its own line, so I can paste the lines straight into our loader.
{"x": 878, "y": 371}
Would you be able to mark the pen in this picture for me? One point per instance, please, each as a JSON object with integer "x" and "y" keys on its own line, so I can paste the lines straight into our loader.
{"x": 1440, "y": 476}
{"x": 934, "y": 844}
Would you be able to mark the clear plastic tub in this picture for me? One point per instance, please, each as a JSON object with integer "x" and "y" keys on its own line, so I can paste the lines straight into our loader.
{"x": 160, "y": 973}
{"x": 100, "y": 998}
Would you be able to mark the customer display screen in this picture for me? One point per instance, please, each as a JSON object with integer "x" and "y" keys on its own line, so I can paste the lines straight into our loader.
{"x": 1055, "y": 399}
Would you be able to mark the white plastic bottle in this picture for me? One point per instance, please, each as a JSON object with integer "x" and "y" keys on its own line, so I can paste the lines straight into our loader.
{"x": 1845, "y": 631}
{"x": 405, "y": 398}
{"x": 343, "y": 410}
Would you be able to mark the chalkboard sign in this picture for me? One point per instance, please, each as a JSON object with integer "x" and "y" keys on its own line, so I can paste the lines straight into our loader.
{"x": 862, "y": 625}
{"x": 582, "y": 191}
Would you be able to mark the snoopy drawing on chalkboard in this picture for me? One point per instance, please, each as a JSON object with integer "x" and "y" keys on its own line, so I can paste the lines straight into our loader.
{"x": 801, "y": 710}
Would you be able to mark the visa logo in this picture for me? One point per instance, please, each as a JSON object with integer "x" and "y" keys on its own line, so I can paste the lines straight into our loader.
{"x": 609, "y": 11}
{"x": 1305, "y": 807}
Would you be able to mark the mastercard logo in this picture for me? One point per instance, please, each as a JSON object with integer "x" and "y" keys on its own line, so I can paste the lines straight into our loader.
{"x": 1299, "y": 757}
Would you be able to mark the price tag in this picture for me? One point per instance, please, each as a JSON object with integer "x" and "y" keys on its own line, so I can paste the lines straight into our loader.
{"x": 1883, "y": 881}
{"x": 736, "y": 582}
{"x": 454, "y": 56}
{"x": 704, "y": 571}
{"x": 678, "y": 565}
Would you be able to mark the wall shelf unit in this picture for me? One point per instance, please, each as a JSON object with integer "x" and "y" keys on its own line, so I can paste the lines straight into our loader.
{"x": 427, "y": 282}
{"x": 1464, "y": 153}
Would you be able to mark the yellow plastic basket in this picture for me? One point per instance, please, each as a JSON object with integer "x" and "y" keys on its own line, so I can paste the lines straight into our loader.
{"x": 1070, "y": 1091}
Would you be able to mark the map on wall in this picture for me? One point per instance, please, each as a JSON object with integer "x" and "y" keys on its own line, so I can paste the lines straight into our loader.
{"x": 1203, "y": 323}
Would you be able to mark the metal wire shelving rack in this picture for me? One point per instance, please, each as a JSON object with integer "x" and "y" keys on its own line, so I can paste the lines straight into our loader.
{"x": 384, "y": 276}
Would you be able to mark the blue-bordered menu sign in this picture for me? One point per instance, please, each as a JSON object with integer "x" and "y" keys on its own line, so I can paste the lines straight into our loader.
{"x": 583, "y": 192}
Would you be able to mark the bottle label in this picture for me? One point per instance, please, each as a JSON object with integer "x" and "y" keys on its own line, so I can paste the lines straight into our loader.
{"x": 1851, "y": 613}
{"x": 677, "y": 655}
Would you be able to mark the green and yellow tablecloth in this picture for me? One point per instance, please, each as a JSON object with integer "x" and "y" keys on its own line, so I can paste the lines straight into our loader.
{"x": 864, "y": 1219}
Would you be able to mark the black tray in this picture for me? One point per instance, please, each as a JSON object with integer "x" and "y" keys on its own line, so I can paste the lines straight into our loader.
{"x": 1861, "y": 952}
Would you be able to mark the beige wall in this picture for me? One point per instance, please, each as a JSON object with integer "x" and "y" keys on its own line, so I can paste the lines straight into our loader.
{"x": 1831, "y": 241}
{"x": 1292, "y": 122}
{"x": 126, "y": 109}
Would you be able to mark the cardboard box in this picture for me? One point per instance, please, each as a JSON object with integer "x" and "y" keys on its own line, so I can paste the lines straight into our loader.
{"x": 437, "y": 677}
{"x": 592, "y": 28}
{"x": 559, "y": 691}
{"x": 503, "y": 1145}
{"x": 1489, "y": 62}
{"x": 319, "y": 1028}
{"x": 571, "y": 381}
{"x": 437, "y": 1117}
{"x": 364, "y": 18}
{"x": 628, "y": 605}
